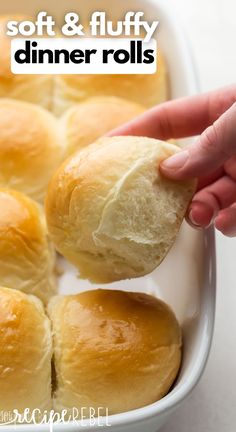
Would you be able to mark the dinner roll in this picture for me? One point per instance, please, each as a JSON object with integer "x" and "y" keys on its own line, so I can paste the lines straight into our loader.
{"x": 27, "y": 257}
{"x": 147, "y": 90}
{"x": 25, "y": 353}
{"x": 32, "y": 88}
{"x": 113, "y": 349}
{"x": 111, "y": 212}
{"x": 89, "y": 120}
{"x": 31, "y": 147}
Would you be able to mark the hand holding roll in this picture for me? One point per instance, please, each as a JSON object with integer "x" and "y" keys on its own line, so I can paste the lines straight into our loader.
{"x": 110, "y": 211}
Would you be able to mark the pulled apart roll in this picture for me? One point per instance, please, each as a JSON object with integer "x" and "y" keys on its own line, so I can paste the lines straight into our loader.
{"x": 37, "y": 89}
{"x": 113, "y": 349}
{"x": 27, "y": 258}
{"x": 111, "y": 212}
{"x": 25, "y": 353}
{"x": 146, "y": 90}
{"x": 31, "y": 147}
{"x": 89, "y": 120}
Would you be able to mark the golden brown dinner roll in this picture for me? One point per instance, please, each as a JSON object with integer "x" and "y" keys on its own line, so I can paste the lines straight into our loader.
{"x": 25, "y": 353}
{"x": 27, "y": 257}
{"x": 31, "y": 147}
{"x": 32, "y": 88}
{"x": 110, "y": 211}
{"x": 147, "y": 90}
{"x": 114, "y": 349}
{"x": 89, "y": 120}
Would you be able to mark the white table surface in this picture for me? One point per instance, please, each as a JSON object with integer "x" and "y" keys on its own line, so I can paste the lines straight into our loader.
{"x": 210, "y": 26}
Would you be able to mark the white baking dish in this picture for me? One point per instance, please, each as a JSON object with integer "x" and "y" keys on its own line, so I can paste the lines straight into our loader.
{"x": 186, "y": 278}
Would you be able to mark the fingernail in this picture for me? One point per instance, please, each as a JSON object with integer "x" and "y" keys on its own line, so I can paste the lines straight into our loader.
{"x": 177, "y": 161}
{"x": 191, "y": 220}
{"x": 195, "y": 224}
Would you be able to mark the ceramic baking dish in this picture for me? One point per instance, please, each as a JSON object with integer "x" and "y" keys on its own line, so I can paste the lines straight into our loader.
{"x": 186, "y": 278}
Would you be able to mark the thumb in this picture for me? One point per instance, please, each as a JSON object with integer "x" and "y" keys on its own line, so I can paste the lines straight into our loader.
{"x": 209, "y": 152}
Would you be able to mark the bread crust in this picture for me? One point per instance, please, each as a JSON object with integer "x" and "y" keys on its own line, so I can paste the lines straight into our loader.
{"x": 113, "y": 349}
{"x": 25, "y": 353}
{"x": 27, "y": 257}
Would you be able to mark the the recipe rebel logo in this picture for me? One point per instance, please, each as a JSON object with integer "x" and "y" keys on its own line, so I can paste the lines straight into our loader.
{"x": 83, "y": 417}
{"x": 122, "y": 47}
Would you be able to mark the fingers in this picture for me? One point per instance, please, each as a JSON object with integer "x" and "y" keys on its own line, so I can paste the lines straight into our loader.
{"x": 226, "y": 221}
{"x": 210, "y": 178}
{"x": 218, "y": 195}
{"x": 214, "y": 147}
{"x": 208, "y": 202}
{"x": 200, "y": 214}
{"x": 182, "y": 117}
{"x": 230, "y": 167}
